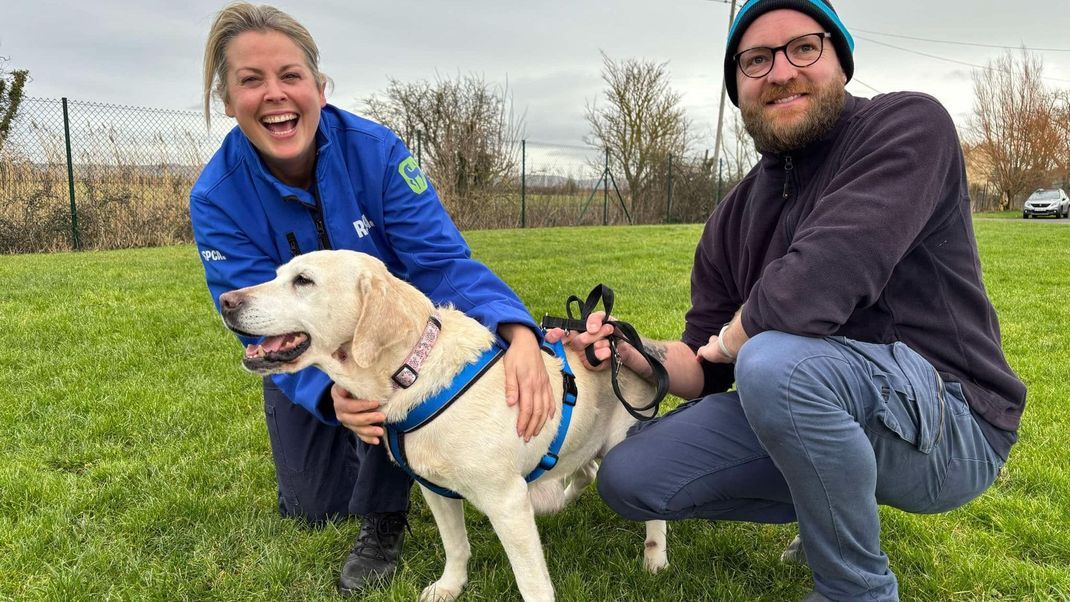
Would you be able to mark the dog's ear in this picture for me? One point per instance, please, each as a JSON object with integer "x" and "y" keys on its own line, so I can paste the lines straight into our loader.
{"x": 379, "y": 323}
{"x": 368, "y": 334}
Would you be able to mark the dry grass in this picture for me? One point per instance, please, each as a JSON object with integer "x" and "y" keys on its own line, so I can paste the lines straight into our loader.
{"x": 133, "y": 170}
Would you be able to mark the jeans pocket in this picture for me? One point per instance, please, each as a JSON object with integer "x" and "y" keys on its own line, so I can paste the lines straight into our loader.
{"x": 955, "y": 400}
{"x": 913, "y": 412}
{"x": 898, "y": 410}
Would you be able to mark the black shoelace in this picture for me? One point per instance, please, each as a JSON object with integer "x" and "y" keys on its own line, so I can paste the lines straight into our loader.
{"x": 379, "y": 534}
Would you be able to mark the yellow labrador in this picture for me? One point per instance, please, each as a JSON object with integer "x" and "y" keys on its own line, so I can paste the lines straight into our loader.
{"x": 343, "y": 312}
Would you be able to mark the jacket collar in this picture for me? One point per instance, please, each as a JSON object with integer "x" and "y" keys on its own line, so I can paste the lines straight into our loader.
{"x": 285, "y": 191}
{"x": 816, "y": 151}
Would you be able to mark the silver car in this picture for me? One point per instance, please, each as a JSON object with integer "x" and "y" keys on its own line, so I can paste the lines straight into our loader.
{"x": 1047, "y": 201}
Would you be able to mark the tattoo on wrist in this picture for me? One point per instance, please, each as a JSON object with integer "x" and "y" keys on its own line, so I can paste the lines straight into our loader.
{"x": 657, "y": 351}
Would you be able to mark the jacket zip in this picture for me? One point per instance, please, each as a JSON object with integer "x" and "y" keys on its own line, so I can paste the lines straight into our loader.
{"x": 789, "y": 218}
{"x": 788, "y": 166}
{"x": 291, "y": 238}
{"x": 317, "y": 218}
{"x": 321, "y": 230}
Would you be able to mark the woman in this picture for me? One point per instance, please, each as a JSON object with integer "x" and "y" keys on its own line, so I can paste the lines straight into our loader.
{"x": 298, "y": 175}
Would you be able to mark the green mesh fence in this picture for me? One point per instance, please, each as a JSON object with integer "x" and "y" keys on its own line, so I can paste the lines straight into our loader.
{"x": 568, "y": 185}
{"x": 130, "y": 170}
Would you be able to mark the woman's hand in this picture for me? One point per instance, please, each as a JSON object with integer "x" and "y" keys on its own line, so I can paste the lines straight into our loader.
{"x": 358, "y": 415}
{"x": 526, "y": 381}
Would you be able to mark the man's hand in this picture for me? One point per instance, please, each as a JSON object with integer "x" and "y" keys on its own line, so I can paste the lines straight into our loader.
{"x": 724, "y": 346}
{"x": 358, "y": 415}
{"x": 596, "y": 334}
{"x": 526, "y": 381}
{"x": 711, "y": 352}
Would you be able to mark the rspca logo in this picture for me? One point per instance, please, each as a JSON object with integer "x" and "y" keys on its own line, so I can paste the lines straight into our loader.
{"x": 213, "y": 255}
{"x": 415, "y": 178}
{"x": 363, "y": 226}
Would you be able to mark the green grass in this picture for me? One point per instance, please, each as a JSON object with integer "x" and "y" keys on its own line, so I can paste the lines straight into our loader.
{"x": 1011, "y": 214}
{"x": 135, "y": 461}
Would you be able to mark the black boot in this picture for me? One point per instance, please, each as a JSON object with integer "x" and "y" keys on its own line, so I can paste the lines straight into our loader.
{"x": 375, "y": 554}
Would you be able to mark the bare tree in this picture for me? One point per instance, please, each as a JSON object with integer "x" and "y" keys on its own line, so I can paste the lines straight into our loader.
{"x": 466, "y": 129}
{"x": 741, "y": 157}
{"x": 1061, "y": 121}
{"x": 640, "y": 123}
{"x": 1013, "y": 129}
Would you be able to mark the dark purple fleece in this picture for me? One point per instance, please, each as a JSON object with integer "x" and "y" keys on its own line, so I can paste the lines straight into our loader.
{"x": 865, "y": 234}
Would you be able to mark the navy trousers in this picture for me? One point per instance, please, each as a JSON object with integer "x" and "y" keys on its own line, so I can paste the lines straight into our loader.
{"x": 821, "y": 430}
{"x": 325, "y": 472}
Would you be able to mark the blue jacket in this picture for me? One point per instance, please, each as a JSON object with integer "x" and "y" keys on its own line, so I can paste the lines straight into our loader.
{"x": 369, "y": 195}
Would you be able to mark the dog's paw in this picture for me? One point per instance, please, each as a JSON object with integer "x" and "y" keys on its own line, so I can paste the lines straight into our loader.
{"x": 656, "y": 547}
{"x": 655, "y": 563}
{"x": 440, "y": 592}
{"x": 654, "y": 558}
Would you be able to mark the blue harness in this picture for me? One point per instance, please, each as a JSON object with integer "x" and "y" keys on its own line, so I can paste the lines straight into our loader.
{"x": 430, "y": 408}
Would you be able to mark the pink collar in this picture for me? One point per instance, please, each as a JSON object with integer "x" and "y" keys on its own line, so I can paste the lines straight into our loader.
{"x": 409, "y": 371}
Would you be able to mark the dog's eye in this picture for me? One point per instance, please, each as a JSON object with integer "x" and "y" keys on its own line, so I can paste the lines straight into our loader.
{"x": 302, "y": 280}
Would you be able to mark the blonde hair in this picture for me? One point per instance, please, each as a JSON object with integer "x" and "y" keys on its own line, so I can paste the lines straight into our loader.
{"x": 238, "y": 18}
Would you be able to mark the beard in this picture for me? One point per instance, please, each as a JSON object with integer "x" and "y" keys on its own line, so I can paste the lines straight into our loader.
{"x": 775, "y": 136}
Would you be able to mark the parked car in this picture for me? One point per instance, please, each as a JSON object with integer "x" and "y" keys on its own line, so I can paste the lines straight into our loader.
{"x": 1047, "y": 201}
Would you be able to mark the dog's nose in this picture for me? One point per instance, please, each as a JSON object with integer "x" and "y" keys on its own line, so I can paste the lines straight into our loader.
{"x": 230, "y": 301}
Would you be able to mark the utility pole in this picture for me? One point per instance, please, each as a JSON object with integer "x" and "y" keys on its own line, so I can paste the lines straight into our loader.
{"x": 720, "y": 112}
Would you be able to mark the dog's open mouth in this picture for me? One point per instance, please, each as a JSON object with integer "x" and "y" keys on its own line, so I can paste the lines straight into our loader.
{"x": 275, "y": 350}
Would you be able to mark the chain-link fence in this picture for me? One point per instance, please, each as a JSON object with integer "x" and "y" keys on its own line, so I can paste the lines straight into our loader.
{"x": 80, "y": 175}
{"x": 569, "y": 185}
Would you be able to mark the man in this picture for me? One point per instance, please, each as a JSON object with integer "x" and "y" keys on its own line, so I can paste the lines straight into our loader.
{"x": 839, "y": 286}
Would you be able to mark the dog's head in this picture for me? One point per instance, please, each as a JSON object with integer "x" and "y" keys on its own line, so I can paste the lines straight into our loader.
{"x": 331, "y": 309}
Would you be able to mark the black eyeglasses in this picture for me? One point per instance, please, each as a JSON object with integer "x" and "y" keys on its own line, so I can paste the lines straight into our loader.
{"x": 802, "y": 51}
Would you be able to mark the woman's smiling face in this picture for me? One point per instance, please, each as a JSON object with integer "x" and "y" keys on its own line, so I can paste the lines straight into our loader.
{"x": 276, "y": 99}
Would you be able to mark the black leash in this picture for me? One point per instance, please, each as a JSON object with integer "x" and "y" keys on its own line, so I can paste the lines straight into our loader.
{"x": 621, "y": 330}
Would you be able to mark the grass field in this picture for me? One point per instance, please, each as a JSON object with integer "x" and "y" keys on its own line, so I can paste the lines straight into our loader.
{"x": 135, "y": 460}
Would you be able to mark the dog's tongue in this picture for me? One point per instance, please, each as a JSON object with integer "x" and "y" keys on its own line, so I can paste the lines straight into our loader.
{"x": 277, "y": 343}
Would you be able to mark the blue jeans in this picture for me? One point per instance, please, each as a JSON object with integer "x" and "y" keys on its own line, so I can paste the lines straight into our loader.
{"x": 325, "y": 472}
{"x": 820, "y": 430}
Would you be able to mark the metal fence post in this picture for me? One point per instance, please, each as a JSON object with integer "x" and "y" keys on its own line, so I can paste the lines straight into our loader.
{"x": 605, "y": 193}
{"x": 70, "y": 176}
{"x": 523, "y": 180}
{"x": 420, "y": 148}
{"x": 668, "y": 203}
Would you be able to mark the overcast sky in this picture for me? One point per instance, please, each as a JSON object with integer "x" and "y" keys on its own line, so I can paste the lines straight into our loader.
{"x": 149, "y": 53}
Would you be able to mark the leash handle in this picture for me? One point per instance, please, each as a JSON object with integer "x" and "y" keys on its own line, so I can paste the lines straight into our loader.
{"x": 571, "y": 323}
{"x": 621, "y": 330}
{"x": 602, "y": 293}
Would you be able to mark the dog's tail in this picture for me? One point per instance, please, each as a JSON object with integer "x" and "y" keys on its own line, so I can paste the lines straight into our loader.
{"x": 552, "y": 496}
{"x": 547, "y": 496}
